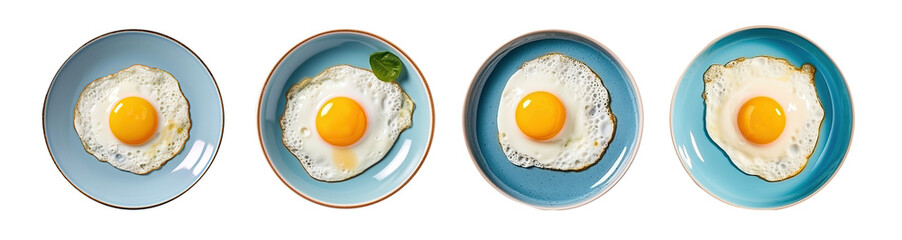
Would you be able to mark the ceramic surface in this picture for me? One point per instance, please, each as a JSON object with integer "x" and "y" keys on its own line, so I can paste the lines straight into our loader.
{"x": 398, "y": 166}
{"x": 538, "y": 187}
{"x": 106, "y": 55}
{"x": 710, "y": 167}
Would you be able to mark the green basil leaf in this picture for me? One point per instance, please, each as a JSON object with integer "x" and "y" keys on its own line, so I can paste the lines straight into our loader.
{"x": 386, "y": 66}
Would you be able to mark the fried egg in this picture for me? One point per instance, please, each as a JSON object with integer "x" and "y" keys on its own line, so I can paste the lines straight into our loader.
{"x": 343, "y": 121}
{"x": 135, "y": 120}
{"x": 555, "y": 114}
{"x": 764, "y": 113}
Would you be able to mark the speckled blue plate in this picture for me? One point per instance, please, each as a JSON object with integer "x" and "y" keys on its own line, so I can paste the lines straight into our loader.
{"x": 710, "y": 167}
{"x": 106, "y": 55}
{"x": 541, "y": 188}
{"x": 311, "y": 57}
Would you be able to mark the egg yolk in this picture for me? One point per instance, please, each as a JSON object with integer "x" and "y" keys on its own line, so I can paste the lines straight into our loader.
{"x": 341, "y": 121}
{"x": 133, "y": 120}
{"x": 761, "y": 120}
{"x": 540, "y": 115}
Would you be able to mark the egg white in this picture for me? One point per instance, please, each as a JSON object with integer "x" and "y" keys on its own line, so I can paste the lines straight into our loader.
{"x": 387, "y": 107}
{"x": 728, "y": 87}
{"x": 161, "y": 90}
{"x": 589, "y": 124}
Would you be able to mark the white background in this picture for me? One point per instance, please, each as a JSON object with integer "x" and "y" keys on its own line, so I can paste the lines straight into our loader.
{"x": 240, "y": 196}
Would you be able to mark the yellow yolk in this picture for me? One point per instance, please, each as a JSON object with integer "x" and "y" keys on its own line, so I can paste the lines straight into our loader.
{"x": 540, "y": 115}
{"x": 761, "y": 120}
{"x": 341, "y": 121}
{"x": 133, "y": 120}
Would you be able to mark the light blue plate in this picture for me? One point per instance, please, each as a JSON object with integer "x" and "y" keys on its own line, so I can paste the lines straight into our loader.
{"x": 710, "y": 167}
{"x": 540, "y": 187}
{"x": 106, "y": 55}
{"x": 308, "y": 59}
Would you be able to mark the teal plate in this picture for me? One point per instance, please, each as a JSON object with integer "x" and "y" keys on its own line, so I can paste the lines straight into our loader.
{"x": 543, "y": 188}
{"x": 107, "y": 54}
{"x": 710, "y": 167}
{"x": 397, "y": 167}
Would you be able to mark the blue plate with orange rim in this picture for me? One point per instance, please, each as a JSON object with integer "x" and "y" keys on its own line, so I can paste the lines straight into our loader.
{"x": 543, "y": 188}
{"x": 308, "y": 59}
{"x": 107, "y": 54}
{"x": 710, "y": 167}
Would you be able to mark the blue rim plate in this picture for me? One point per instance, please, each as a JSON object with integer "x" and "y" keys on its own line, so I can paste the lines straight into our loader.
{"x": 107, "y": 54}
{"x": 542, "y": 188}
{"x": 710, "y": 167}
{"x": 309, "y": 58}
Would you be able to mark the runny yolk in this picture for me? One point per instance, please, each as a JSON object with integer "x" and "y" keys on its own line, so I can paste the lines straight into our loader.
{"x": 540, "y": 115}
{"x": 341, "y": 121}
{"x": 344, "y": 159}
{"x": 761, "y": 120}
{"x": 133, "y": 120}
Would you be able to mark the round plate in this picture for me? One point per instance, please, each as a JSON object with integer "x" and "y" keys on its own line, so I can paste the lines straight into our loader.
{"x": 710, "y": 167}
{"x": 106, "y": 55}
{"x": 542, "y": 188}
{"x": 308, "y": 59}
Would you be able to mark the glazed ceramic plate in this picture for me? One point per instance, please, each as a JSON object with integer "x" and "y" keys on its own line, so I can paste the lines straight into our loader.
{"x": 106, "y": 55}
{"x": 710, "y": 167}
{"x": 540, "y": 187}
{"x": 397, "y": 167}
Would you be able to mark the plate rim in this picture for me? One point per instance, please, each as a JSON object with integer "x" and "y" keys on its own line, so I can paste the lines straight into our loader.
{"x": 431, "y": 114}
{"x": 56, "y": 75}
{"x": 708, "y": 46}
{"x": 639, "y": 109}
